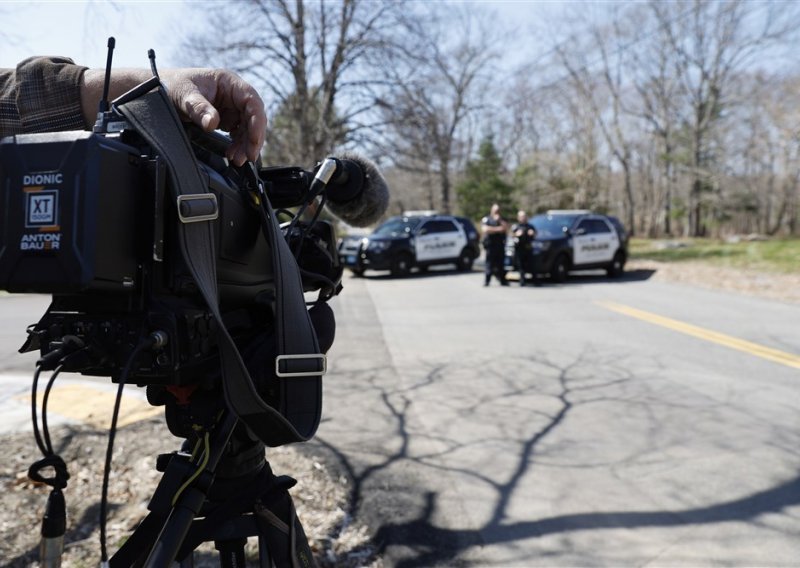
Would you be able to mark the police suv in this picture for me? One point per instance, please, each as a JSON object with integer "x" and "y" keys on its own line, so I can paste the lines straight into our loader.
{"x": 568, "y": 240}
{"x": 408, "y": 241}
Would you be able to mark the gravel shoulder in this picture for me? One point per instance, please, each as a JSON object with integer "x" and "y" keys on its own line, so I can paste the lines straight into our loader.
{"x": 771, "y": 285}
{"x": 320, "y": 497}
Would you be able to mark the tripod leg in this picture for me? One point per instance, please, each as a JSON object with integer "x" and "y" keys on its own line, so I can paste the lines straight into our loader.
{"x": 264, "y": 559}
{"x": 231, "y": 553}
{"x": 286, "y": 540}
{"x": 190, "y": 501}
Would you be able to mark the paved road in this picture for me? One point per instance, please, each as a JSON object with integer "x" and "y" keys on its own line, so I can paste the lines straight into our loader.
{"x": 627, "y": 423}
{"x": 613, "y": 423}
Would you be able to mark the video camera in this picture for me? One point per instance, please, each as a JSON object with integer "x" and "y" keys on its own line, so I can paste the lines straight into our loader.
{"x": 88, "y": 218}
{"x": 168, "y": 267}
{"x": 98, "y": 220}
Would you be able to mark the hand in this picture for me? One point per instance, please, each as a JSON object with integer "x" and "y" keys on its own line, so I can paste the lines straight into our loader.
{"x": 217, "y": 98}
{"x": 211, "y": 98}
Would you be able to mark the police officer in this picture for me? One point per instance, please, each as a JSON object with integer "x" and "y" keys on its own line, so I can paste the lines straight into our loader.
{"x": 524, "y": 233}
{"x": 494, "y": 229}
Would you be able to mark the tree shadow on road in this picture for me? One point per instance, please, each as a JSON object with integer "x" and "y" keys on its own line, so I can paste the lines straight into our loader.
{"x": 388, "y": 496}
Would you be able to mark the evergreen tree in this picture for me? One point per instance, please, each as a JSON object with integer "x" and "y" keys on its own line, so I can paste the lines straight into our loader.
{"x": 483, "y": 184}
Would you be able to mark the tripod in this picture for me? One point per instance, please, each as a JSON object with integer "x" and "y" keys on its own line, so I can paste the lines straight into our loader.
{"x": 230, "y": 495}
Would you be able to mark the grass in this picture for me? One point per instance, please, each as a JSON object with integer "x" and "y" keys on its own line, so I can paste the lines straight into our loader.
{"x": 775, "y": 255}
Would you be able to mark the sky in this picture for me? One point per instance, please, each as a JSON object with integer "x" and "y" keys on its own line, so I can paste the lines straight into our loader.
{"x": 80, "y": 29}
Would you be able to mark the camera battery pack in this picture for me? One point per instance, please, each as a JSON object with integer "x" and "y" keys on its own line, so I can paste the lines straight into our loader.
{"x": 70, "y": 201}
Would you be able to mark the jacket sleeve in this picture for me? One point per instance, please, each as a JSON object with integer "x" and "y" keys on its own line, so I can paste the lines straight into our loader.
{"x": 41, "y": 95}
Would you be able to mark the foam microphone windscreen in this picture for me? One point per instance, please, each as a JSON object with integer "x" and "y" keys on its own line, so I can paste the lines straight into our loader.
{"x": 369, "y": 205}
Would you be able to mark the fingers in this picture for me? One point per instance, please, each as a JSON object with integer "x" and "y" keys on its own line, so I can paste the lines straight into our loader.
{"x": 221, "y": 99}
{"x": 200, "y": 111}
{"x": 245, "y": 110}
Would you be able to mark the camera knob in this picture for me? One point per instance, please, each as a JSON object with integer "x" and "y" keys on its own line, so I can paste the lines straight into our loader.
{"x": 159, "y": 339}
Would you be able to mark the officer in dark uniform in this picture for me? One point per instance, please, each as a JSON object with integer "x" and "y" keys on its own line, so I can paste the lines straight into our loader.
{"x": 494, "y": 229}
{"x": 524, "y": 233}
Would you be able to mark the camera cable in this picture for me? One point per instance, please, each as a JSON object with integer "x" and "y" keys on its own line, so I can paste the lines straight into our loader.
{"x": 295, "y": 240}
{"x": 200, "y": 466}
{"x": 54, "y": 520}
{"x": 48, "y": 388}
{"x": 34, "y": 414}
{"x": 155, "y": 339}
{"x": 55, "y": 359}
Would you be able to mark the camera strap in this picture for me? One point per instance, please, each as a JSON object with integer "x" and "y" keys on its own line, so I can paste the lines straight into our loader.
{"x": 299, "y": 365}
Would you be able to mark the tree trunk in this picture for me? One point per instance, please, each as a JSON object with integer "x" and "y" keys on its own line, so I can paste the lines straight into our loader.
{"x": 629, "y": 198}
{"x": 444, "y": 181}
{"x": 669, "y": 172}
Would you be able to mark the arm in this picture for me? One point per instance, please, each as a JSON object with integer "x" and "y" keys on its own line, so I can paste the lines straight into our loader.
{"x": 501, "y": 228}
{"x": 48, "y": 94}
{"x": 40, "y": 95}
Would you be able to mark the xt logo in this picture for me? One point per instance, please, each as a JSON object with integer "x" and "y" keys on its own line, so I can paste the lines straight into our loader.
{"x": 41, "y": 208}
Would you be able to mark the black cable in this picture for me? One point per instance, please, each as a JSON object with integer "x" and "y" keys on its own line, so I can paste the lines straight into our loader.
{"x": 70, "y": 344}
{"x": 143, "y": 344}
{"x": 47, "y": 390}
{"x": 282, "y": 211}
{"x": 34, "y": 418}
{"x": 304, "y": 231}
{"x": 54, "y": 521}
{"x": 317, "y": 188}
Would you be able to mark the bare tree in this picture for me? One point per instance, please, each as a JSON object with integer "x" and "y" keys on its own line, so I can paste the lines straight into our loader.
{"x": 662, "y": 83}
{"x": 711, "y": 44}
{"x": 657, "y": 88}
{"x": 764, "y": 166}
{"x": 435, "y": 83}
{"x": 311, "y": 58}
{"x": 604, "y": 92}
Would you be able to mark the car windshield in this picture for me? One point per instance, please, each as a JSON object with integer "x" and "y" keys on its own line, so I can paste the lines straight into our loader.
{"x": 396, "y": 227}
{"x": 552, "y": 225}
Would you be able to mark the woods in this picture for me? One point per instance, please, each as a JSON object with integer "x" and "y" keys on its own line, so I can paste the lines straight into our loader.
{"x": 680, "y": 118}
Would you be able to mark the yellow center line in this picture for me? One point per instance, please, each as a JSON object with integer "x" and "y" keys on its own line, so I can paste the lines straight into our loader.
{"x": 775, "y": 355}
{"x": 94, "y": 406}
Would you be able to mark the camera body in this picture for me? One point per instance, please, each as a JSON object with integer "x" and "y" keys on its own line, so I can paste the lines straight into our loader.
{"x": 88, "y": 218}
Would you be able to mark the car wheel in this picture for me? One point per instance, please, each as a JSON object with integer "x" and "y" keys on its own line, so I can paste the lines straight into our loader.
{"x": 558, "y": 273}
{"x": 401, "y": 265}
{"x": 617, "y": 266}
{"x": 465, "y": 261}
{"x": 357, "y": 271}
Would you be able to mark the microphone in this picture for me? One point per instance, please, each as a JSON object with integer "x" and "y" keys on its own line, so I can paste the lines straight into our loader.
{"x": 357, "y": 192}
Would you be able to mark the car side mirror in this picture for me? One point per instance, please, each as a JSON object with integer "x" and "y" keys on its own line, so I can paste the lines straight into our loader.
{"x": 580, "y": 231}
{"x": 423, "y": 232}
